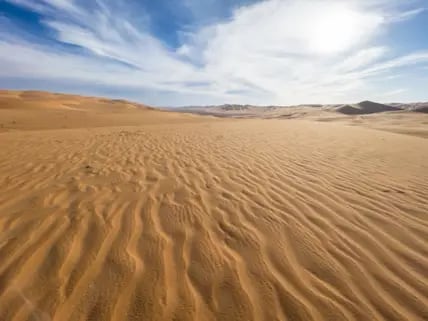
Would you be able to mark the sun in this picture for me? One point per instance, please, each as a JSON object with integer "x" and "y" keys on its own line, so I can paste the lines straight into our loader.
{"x": 336, "y": 30}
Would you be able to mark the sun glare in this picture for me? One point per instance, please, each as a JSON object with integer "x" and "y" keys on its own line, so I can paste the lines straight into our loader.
{"x": 335, "y": 31}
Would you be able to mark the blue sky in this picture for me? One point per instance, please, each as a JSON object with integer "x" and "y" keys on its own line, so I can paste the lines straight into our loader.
{"x": 202, "y": 52}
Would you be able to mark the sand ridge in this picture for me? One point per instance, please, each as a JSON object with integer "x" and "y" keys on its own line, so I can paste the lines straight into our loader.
{"x": 213, "y": 219}
{"x": 34, "y": 110}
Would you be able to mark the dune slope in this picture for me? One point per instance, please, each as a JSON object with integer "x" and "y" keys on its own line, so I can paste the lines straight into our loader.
{"x": 214, "y": 220}
{"x": 34, "y": 110}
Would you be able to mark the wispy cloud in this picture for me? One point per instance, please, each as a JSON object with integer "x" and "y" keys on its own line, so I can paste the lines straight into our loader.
{"x": 47, "y": 6}
{"x": 405, "y": 15}
{"x": 394, "y": 93}
{"x": 275, "y": 51}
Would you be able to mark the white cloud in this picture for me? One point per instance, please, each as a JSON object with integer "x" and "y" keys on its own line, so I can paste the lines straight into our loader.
{"x": 362, "y": 58}
{"x": 48, "y": 6}
{"x": 403, "y": 61}
{"x": 275, "y": 51}
{"x": 406, "y": 15}
{"x": 394, "y": 93}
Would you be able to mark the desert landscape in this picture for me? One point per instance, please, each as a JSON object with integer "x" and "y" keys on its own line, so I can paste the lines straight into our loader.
{"x": 113, "y": 210}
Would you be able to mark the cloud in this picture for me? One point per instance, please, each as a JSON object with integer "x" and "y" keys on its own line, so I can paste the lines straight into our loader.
{"x": 274, "y": 51}
{"x": 361, "y": 59}
{"x": 394, "y": 93}
{"x": 47, "y": 6}
{"x": 406, "y": 15}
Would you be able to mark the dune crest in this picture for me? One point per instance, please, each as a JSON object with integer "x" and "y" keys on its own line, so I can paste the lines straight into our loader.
{"x": 184, "y": 217}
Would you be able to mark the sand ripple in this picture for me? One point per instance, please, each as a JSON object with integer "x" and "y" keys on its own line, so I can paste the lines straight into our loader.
{"x": 218, "y": 220}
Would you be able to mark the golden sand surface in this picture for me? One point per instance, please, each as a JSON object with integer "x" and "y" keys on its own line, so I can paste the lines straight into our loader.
{"x": 111, "y": 210}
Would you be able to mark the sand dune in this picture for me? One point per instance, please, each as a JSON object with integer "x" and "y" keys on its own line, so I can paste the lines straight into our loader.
{"x": 32, "y": 110}
{"x": 423, "y": 109}
{"x": 365, "y": 107}
{"x": 164, "y": 216}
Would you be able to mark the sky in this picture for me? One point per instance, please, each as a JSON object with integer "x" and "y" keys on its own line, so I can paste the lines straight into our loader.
{"x": 207, "y": 52}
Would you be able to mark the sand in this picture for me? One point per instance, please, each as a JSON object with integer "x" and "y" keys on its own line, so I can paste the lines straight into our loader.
{"x": 165, "y": 216}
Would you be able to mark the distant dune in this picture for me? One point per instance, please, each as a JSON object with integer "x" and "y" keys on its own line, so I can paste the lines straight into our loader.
{"x": 362, "y": 108}
{"x": 417, "y": 107}
{"x": 403, "y": 118}
{"x": 365, "y": 107}
{"x": 111, "y": 210}
{"x": 234, "y": 107}
{"x": 422, "y": 109}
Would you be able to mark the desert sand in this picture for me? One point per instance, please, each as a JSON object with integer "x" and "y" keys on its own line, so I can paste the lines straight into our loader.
{"x": 111, "y": 210}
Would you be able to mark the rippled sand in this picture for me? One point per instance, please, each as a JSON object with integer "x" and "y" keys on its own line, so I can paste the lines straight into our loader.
{"x": 182, "y": 217}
